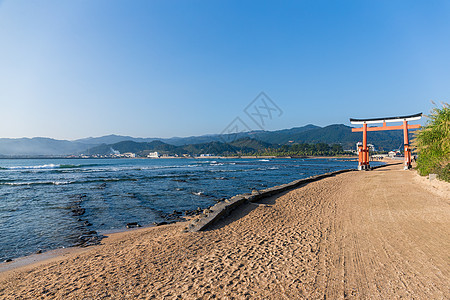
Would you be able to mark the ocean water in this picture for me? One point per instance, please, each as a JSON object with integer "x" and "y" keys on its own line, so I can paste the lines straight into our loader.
{"x": 50, "y": 203}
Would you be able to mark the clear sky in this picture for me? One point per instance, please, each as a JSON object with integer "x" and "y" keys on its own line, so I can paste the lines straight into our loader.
{"x": 72, "y": 69}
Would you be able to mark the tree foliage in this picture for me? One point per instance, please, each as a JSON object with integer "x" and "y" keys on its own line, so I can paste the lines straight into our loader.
{"x": 432, "y": 143}
{"x": 304, "y": 149}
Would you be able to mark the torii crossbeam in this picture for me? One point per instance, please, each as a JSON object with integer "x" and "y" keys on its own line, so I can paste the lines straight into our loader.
{"x": 363, "y": 151}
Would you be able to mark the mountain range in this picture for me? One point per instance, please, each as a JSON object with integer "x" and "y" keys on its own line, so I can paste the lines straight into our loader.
{"x": 332, "y": 134}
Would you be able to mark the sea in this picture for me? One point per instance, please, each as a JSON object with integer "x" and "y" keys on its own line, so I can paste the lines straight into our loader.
{"x": 47, "y": 204}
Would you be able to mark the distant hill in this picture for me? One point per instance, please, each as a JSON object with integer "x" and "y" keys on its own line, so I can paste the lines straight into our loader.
{"x": 245, "y": 145}
{"x": 250, "y": 144}
{"x": 273, "y": 137}
{"x": 131, "y": 146}
{"x": 332, "y": 134}
{"x": 40, "y": 146}
{"x": 112, "y": 139}
{"x": 282, "y": 136}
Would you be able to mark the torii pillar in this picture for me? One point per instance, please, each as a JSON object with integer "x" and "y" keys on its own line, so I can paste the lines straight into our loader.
{"x": 363, "y": 152}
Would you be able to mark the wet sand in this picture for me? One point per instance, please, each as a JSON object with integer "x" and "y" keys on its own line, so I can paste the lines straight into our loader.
{"x": 381, "y": 234}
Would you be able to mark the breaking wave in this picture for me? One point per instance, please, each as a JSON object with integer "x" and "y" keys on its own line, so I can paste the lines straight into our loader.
{"x": 48, "y": 167}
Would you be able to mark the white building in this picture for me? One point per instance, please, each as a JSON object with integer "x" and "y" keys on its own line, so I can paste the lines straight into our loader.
{"x": 153, "y": 155}
{"x": 370, "y": 146}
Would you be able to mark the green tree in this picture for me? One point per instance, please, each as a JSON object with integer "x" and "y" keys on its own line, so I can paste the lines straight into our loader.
{"x": 432, "y": 142}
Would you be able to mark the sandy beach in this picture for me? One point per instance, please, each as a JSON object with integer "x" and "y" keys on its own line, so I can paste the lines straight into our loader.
{"x": 382, "y": 234}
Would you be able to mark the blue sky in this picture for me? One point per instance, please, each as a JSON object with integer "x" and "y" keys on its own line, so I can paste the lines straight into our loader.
{"x": 72, "y": 69}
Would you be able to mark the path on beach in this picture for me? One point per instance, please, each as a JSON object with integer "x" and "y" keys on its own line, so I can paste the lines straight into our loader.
{"x": 379, "y": 235}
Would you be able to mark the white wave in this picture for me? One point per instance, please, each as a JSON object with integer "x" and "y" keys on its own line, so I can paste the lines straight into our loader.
{"x": 61, "y": 182}
{"x": 160, "y": 167}
{"x": 17, "y": 183}
{"x": 264, "y": 160}
{"x": 107, "y": 168}
{"x": 206, "y": 162}
{"x": 48, "y": 166}
{"x": 200, "y": 193}
{"x": 37, "y": 183}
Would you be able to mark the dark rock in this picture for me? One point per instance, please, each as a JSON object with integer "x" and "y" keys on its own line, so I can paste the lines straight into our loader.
{"x": 179, "y": 180}
{"x": 191, "y": 213}
{"x": 133, "y": 225}
{"x": 39, "y": 251}
{"x": 175, "y": 215}
{"x": 160, "y": 223}
{"x": 171, "y": 217}
{"x": 84, "y": 237}
{"x": 78, "y": 211}
{"x": 78, "y": 196}
{"x": 88, "y": 240}
{"x": 7, "y": 260}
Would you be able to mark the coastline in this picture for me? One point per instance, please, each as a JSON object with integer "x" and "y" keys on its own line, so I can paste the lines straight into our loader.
{"x": 279, "y": 235}
{"x": 201, "y": 193}
{"x": 191, "y": 223}
{"x": 180, "y": 157}
{"x": 25, "y": 263}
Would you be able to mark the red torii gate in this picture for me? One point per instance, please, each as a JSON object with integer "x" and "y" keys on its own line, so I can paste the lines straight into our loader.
{"x": 363, "y": 151}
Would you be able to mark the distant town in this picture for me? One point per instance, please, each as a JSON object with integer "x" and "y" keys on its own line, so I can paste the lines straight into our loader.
{"x": 134, "y": 155}
{"x": 375, "y": 154}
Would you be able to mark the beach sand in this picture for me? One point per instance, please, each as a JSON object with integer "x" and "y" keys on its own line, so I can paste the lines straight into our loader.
{"x": 381, "y": 234}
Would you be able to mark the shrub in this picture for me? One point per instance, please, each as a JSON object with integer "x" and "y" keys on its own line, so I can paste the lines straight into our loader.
{"x": 432, "y": 142}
